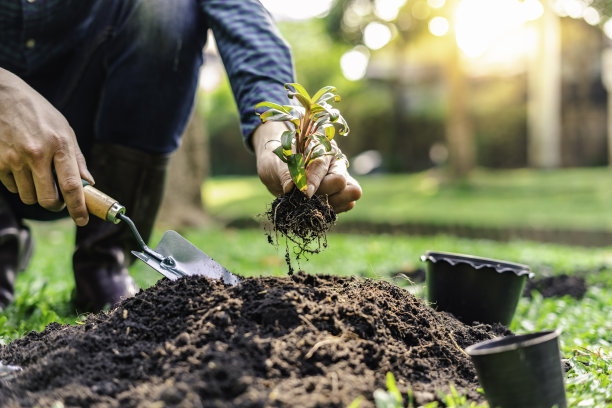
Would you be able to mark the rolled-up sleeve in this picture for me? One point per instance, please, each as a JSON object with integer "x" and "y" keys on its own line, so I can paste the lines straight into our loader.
{"x": 257, "y": 59}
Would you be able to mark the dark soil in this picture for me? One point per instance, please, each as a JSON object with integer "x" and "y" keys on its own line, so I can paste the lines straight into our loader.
{"x": 557, "y": 286}
{"x": 300, "y": 341}
{"x": 302, "y": 221}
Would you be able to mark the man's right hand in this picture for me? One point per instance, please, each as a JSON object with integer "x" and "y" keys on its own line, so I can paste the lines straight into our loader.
{"x": 35, "y": 138}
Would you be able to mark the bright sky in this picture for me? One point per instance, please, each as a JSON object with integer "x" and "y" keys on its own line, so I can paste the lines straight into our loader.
{"x": 297, "y": 9}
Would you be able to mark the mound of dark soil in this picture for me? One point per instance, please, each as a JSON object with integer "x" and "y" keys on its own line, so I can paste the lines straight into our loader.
{"x": 300, "y": 341}
{"x": 557, "y": 286}
{"x": 302, "y": 220}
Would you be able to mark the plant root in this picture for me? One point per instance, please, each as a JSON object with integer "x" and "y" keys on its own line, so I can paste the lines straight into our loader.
{"x": 301, "y": 220}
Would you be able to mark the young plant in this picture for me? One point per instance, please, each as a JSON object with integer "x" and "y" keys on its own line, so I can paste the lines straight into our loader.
{"x": 312, "y": 125}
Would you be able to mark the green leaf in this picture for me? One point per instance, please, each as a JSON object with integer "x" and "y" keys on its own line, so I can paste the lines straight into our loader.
{"x": 334, "y": 115}
{"x": 318, "y": 153}
{"x": 300, "y": 90}
{"x": 320, "y": 107}
{"x": 295, "y": 163}
{"x": 279, "y": 152}
{"x": 286, "y": 139}
{"x": 385, "y": 399}
{"x": 323, "y": 91}
{"x": 330, "y": 132}
{"x": 356, "y": 402}
{"x": 324, "y": 141}
{"x": 327, "y": 96}
{"x": 301, "y": 98}
{"x": 274, "y": 115}
{"x": 392, "y": 387}
{"x": 321, "y": 120}
{"x": 272, "y": 105}
{"x": 341, "y": 127}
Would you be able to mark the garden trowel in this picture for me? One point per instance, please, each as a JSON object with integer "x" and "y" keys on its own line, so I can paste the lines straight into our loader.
{"x": 174, "y": 256}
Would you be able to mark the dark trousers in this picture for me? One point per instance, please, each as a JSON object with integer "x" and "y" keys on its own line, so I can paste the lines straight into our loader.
{"x": 130, "y": 81}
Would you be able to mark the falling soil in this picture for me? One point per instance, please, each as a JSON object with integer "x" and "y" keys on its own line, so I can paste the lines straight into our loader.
{"x": 302, "y": 221}
{"x": 299, "y": 341}
{"x": 557, "y": 286}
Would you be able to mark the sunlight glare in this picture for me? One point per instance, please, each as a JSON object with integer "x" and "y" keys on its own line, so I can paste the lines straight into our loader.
{"x": 591, "y": 16}
{"x": 438, "y": 26}
{"x": 211, "y": 76}
{"x": 480, "y": 23}
{"x": 388, "y": 9}
{"x": 532, "y": 9}
{"x": 573, "y": 8}
{"x": 297, "y": 9}
{"x": 608, "y": 28}
{"x": 376, "y": 35}
{"x": 354, "y": 63}
{"x": 436, "y": 3}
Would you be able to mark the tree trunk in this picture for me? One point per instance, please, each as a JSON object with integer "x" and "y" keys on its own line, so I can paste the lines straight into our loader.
{"x": 459, "y": 134}
{"x": 183, "y": 205}
{"x": 544, "y": 103}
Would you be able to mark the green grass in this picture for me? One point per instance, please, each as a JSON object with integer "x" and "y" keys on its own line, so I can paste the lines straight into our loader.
{"x": 572, "y": 199}
{"x": 44, "y": 290}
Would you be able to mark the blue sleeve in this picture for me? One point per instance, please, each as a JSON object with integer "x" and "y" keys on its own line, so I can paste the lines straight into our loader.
{"x": 257, "y": 59}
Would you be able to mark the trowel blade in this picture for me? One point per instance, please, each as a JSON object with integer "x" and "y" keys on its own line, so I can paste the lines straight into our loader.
{"x": 191, "y": 260}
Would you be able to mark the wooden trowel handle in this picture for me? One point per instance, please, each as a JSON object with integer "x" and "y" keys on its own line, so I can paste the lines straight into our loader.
{"x": 101, "y": 205}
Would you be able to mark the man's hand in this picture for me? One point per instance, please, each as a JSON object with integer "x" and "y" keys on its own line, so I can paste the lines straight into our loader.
{"x": 325, "y": 175}
{"x": 35, "y": 138}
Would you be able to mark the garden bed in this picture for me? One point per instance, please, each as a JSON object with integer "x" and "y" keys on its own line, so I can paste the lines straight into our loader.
{"x": 307, "y": 341}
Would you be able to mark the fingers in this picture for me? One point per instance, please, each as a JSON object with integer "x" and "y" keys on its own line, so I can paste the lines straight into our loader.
{"x": 342, "y": 189}
{"x": 275, "y": 175}
{"x": 9, "y": 182}
{"x": 315, "y": 173}
{"x": 84, "y": 172}
{"x": 46, "y": 190}
{"x": 25, "y": 185}
{"x": 70, "y": 184}
{"x": 35, "y": 138}
{"x": 335, "y": 180}
{"x": 345, "y": 199}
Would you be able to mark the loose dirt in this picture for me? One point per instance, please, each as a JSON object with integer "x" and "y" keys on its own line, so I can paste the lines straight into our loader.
{"x": 299, "y": 341}
{"x": 557, "y": 286}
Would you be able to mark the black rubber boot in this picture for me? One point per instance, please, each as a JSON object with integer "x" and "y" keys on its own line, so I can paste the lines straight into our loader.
{"x": 102, "y": 253}
{"x": 16, "y": 247}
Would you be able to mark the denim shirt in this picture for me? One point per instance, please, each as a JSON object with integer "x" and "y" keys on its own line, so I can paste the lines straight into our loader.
{"x": 35, "y": 33}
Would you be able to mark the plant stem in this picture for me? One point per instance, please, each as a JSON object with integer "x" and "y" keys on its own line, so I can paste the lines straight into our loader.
{"x": 300, "y": 147}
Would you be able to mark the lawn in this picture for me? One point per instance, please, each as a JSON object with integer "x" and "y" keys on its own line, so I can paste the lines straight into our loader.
{"x": 44, "y": 290}
{"x": 565, "y": 199}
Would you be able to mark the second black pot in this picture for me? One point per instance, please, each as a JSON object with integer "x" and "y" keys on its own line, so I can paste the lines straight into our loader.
{"x": 474, "y": 289}
{"x": 521, "y": 371}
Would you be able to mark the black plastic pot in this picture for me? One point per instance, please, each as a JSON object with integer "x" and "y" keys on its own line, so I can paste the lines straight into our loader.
{"x": 521, "y": 371}
{"x": 474, "y": 289}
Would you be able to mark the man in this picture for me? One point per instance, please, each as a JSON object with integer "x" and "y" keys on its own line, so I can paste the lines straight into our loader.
{"x": 101, "y": 90}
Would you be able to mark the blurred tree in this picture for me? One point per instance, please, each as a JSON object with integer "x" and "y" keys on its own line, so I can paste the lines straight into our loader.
{"x": 349, "y": 20}
{"x": 182, "y": 205}
{"x": 604, "y": 7}
{"x": 544, "y": 104}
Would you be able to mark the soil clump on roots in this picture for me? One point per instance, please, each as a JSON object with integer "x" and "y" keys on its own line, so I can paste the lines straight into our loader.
{"x": 298, "y": 341}
{"x": 303, "y": 221}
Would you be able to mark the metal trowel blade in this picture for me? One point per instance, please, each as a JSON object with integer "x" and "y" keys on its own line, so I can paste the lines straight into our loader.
{"x": 189, "y": 260}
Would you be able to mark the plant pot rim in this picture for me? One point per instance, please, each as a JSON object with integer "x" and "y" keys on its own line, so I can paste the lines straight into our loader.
{"x": 510, "y": 343}
{"x": 478, "y": 262}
